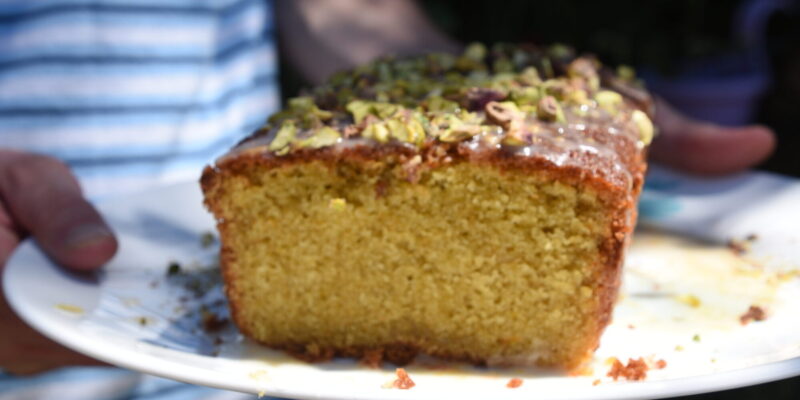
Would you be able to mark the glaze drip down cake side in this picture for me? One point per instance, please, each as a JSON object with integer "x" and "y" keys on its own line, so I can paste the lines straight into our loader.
{"x": 473, "y": 207}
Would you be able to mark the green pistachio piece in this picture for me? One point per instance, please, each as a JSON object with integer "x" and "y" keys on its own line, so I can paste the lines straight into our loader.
{"x": 513, "y": 140}
{"x": 416, "y": 130}
{"x": 377, "y": 131}
{"x": 301, "y": 103}
{"x": 475, "y": 51}
{"x": 520, "y": 58}
{"x": 609, "y": 101}
{"x": 626, "y": 73}
{"x": 529, "y": 76}
{"x": 576, "y": 96}
{"x": 304, "y": 106}
{"x": 557, "y": 88}
{"x": 451, "y": 128}
{"x": 439, "y": 62}
{"x": 385, "y": 110}
{"x": 584, "y": 68}
{"x": 503, "y": 65}
{"x": 384, "y": 70}
{"x": 322, "y": 137}
{"x": 547, "y": 68}
{"x": 440, "y": 104}
{"x": 459, "y": 133}
{"x": 284, "y": 137}
{"x": 560, "y": 51}
{"x": 398, "y": 130}
{"x": 280, "y": 116}
{"x": 342, "y": 78}
{"x": 549, "y": 110}
{"x": 361, "y": 108}
{"x": 525, "y": 95}
{"x": 409, "y": 131}
{"x": 646, "y": 129}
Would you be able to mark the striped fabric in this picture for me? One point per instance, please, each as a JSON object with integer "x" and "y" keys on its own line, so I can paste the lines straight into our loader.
{"x": 134, "y": 93}
{"x": 100, "y": 383}
{"x": 131, "y": 94}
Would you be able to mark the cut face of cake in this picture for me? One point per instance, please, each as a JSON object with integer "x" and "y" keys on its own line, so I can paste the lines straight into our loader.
{"x": 474, "y": 208}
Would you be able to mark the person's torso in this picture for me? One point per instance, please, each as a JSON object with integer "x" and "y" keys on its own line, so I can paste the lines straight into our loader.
{"x": 134, "y": 93}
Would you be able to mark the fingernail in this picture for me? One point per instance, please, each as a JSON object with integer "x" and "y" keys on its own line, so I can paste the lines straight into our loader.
{"x": 86, "y": 235}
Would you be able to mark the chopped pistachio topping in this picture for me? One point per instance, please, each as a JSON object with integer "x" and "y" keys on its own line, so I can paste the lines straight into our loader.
{"x": 609, "y": 101}
{"x": 557, "y": 88}
{"x": 286, "y": 134}
{"x": 626, "y": 73}
{"x": 576, "y": 96}
{"x": 503, "y": 113}
{"x": 454, "y": 129}
{"x": 513, "y": 138}
{"x": 585, "y": 69}
{"x": 438, "y": 103}
{"x": 322, "y": 137}
{"x": 497, "y": 94}
{"x": 476, "y": 52}
{"x": 549, "y": 110}
{"x": 377, "y": 131}
{"x": 529, "y": 77}
{"x": 362, "y": 108}
{"x": 526, "y": 95}
{"x": 560, "y": 51}
{"x": 646, "y": 129}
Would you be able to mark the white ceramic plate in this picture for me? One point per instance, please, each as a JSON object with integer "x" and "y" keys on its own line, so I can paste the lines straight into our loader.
{"x": 681, "y": 302}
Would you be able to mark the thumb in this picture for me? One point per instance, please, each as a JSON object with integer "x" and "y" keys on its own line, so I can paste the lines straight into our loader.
{"x": 44, "y": 199}
{"x": 709, "y": 149}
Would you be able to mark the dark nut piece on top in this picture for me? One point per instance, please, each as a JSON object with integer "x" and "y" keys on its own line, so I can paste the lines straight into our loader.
{"x": 502, "y": 113}
{"x": 549, "y": 110}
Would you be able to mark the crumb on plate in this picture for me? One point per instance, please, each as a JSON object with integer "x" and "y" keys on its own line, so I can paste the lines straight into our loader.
{"x": 207, "y": 239}
{"x": 514, "y": 383}
{"x": 754, "y": 313}
{"x": 70, "y": 308}
{"x": 635, "y": 369}
{"x": 403, "y": 381}
{"x": 173, "y": 268}
{"x": 689, "y": 299}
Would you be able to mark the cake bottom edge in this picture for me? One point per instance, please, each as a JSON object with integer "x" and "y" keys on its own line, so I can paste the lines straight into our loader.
{"x": 404, "y": 353}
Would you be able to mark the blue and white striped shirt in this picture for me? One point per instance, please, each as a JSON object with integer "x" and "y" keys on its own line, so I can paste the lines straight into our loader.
{"x": 134, "y": 93}
{"x": 131, "y": 94}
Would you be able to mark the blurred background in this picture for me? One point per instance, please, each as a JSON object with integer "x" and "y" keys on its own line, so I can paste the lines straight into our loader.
{"x": 727, "y": 61}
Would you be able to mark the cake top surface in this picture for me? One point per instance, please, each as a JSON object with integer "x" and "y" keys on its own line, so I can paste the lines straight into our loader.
{"x": 528, "y": 101}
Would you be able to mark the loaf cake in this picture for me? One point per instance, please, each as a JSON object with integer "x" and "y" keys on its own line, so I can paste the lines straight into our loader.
{"x": 473, "y": 207}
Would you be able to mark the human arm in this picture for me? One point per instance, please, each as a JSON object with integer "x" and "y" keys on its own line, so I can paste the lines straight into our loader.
{"x": 41, "y": 198}
{"x": 321, "y": 37}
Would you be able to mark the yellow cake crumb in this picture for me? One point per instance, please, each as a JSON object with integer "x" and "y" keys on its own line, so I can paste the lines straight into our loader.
{"x": 70, "y": 308}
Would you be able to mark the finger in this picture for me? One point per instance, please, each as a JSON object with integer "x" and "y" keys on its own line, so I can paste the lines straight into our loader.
{"x": 9, "y": 235}
{"x": 25, "y": 351}
{"x": 44, "y": 198}
{"x": 708, "y": 149}
{"x": 8, "y": 242}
